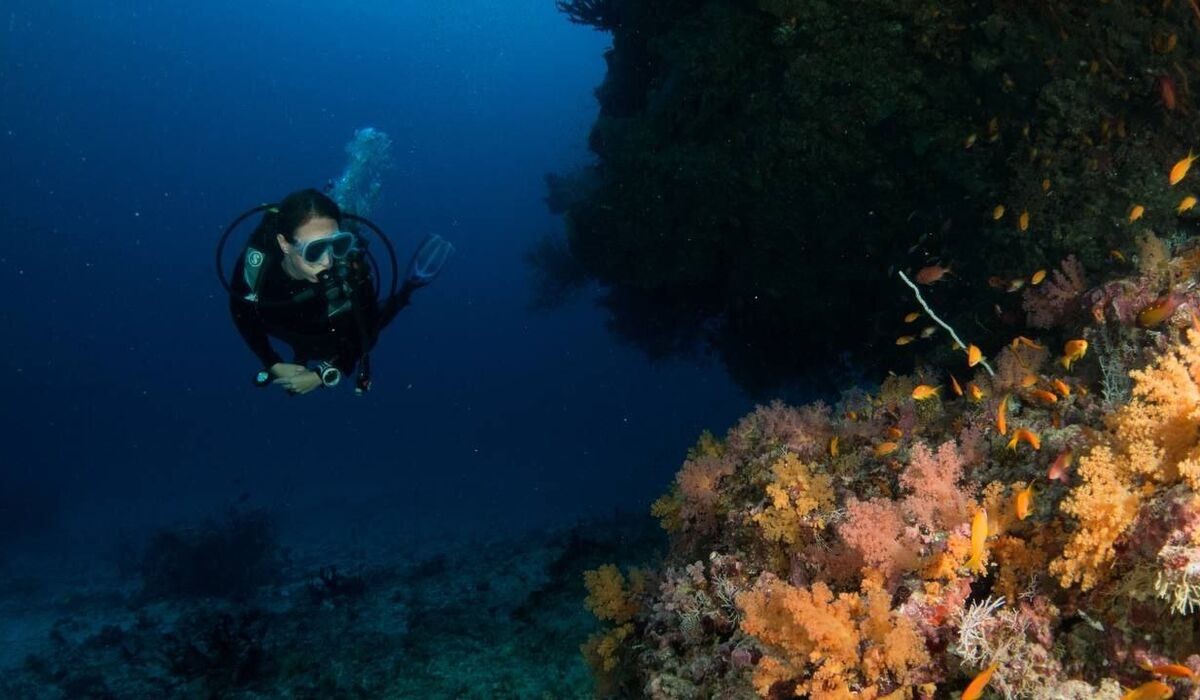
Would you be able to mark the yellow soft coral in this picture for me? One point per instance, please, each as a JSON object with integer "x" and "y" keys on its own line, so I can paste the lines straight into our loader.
{"x": 797, "y": 495}
{"x": 609, "y": 597}
{"x": 1153, "y": 443}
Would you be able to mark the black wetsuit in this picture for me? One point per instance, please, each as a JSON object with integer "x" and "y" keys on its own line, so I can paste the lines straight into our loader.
{"x": 306, "y": 325}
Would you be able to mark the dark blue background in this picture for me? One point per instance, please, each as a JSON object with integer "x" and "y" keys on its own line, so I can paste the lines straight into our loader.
{"x": 133, "y": 132}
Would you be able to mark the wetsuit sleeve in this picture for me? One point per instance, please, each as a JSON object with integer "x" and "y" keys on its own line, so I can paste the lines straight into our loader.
{"x": 249, "y": 323}
{"x": 393, "y": 305}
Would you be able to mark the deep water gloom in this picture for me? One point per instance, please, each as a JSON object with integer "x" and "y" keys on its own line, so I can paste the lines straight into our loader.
{"x": 599, "y": 349}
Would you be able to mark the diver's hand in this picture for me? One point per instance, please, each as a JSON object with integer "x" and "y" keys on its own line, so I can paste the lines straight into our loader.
{"x": 295, "y": 379}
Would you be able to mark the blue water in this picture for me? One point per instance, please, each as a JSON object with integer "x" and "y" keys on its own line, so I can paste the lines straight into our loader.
{"x": 132, "y": 132}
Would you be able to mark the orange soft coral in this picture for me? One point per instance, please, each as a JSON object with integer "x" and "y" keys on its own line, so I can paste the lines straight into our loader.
{"x": 830, "y": 647}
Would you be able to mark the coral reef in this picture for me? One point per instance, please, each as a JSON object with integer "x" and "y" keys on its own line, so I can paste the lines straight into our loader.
{"x": 1026, "y": 530}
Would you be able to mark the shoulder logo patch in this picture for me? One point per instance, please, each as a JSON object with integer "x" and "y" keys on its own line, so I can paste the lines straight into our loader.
{"x": 254, "y": 258}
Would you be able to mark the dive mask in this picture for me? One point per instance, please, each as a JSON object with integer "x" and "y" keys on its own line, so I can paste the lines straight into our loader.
{"x": 339, "y": 244}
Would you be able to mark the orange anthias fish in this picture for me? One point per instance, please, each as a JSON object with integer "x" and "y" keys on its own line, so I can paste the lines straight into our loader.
{"x": 1023, "y": 502}
{"x": 1169, "y": 670}
{"x": 1073, "y": 350}
{"x": 894, "y": 433}
{"x": 1023, "y": 222}
{"x": 1180, "y": 169}
{"x": 833, "y": 446}
{"x": 905, "y": 339}
{"x": 923, "y": 392}
{"x": 884, "y": 449}
{"x": 1135, "y": 212}
{"x": 1151, "y": 690}
{"x": 1046, "y": 397}
{"x": 1062, "y": 387}
{"x": 974, "y": 355}
{"x": 978, "y": 683}
{"x": 931, "y": 274}
{"x": 1002, "y": 416}
{"x": 1026, "y": 436}
{"x": 955, "y": 386}
{"x": 1037, "y": 277}
{"x": 1185, "y": 204}
{"x": 1022, "y": 340}
{"x": 979, "y": 533}
{"x": 974, "y": 392}
{"x": 998, "y": 212}
{"x": 1159, "y": 311}
{"x": 911, "y": 316}
{"x": 1060, "y": 466}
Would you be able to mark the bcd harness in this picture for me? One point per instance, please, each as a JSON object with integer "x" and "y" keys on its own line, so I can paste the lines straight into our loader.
{"x": 337, "y": 285}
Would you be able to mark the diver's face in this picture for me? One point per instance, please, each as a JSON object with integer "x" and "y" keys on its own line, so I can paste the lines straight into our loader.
{"x": 294, "y": 262}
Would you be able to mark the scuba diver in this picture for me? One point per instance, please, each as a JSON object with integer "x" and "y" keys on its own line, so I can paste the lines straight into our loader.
{"x": 305, "y": 279}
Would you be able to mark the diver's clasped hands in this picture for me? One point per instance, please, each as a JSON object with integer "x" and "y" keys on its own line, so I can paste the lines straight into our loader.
{"x": 295, "y": 379}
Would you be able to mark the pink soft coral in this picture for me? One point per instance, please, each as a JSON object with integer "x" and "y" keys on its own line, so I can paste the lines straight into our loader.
{"x": 935, "y": 500}
{"x": 1049, "y": 304}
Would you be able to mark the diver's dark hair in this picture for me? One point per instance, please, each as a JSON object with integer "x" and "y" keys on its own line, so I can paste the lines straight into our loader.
{"x": 295, "y": 210}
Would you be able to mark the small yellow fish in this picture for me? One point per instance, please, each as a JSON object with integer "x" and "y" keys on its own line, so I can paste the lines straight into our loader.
{"x": 1180, "y": 169}
{"x": 833, "y": 446}
{"x": 1037, "y": 277}
{"x": 884, "y": 449}
{"x": 894, "y": 433}
{"x": 1135, "y": 212}
{"x": 1015, "y": 286}
{"x": 1185, "y": 204}
{"x": 969, "y": 141}
{"x": 955, "y": 386}
{"x": 928, "y": 331}
{"x": 1002, "y": 416}
{"x": 975, "y": 688}
{"x": 1046, "y": 185}
{"x": 924, "y": 392}
{"x": 1028, "y": 380}
{"x": 1022, "y": 340}
{"x": 1023, "y": 501}
{"x": 979, "y": 533}
{"x": 974, "y": 355}
{"x": 1062, "y": 387}
{"x": 975, "y": 392}
{"x": 1023, "y": 222}
{"x": 1116, "y": 255}
{"x": 998, "y": 212}
{"x": 911, "y": 316}
{"x": 905, "y": 339}
{"x": 1151, "y": 690}
{"x": 1073, "y": 350}
{"x": 1023, "y": 435}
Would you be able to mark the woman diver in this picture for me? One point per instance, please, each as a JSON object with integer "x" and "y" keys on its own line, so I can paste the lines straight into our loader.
{"x": 306, "y": 280}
